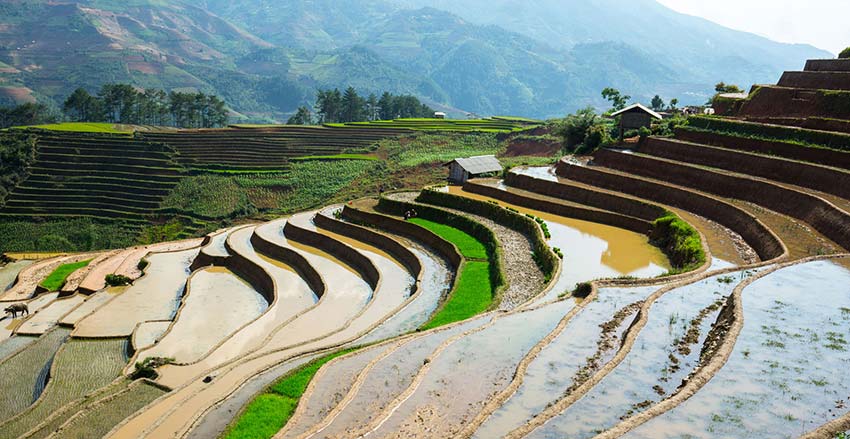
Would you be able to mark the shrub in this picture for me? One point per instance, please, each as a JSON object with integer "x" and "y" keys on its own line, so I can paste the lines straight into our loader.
{"x": 143, "y": 263}
{"x": 680, "y": 241}
{"x": 147, "y": 368}
{"x": 644, "y": 132}
{"x": 597, "y": 136}
{"x": 583, "y": 290}
{"x": 845, "y": 53}
{"x": 117, "y": 280}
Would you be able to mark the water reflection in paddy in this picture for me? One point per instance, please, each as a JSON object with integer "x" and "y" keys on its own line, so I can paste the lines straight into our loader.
{"x": 591, "y": 250}
{"x": 218, "y": 303}
{"x": 555, "y": 368}
{"x": 786, "y": 374}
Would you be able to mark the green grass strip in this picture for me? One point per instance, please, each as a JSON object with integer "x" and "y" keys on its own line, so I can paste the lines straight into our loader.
{"x": 269, "y": 412}
{"x": 57, "y": 279}
{"x": 336, "y": 157}
{"x": 80, "y": 127}
{"x": 469, "y": 247}
{"x": 472, "y": 295}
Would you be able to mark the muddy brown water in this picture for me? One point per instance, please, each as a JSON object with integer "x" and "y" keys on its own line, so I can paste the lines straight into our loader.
{"x": 155, "y": 296}
{"x": 591, "y": 250}
{"x": 91, "y": 304}
{"x": 148, "y": 333}
{"x": 786, "y": 374}
{"x": 217, "y": 305}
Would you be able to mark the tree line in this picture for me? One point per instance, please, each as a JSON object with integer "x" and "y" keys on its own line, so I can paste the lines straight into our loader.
{"x": 335, "y": 106}
{"x": 123, "y": 103}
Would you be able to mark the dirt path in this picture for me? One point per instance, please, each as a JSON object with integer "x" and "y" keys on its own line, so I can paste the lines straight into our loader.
{"x": 525, "y": 280}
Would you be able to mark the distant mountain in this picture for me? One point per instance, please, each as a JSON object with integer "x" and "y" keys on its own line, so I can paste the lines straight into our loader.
{"x": 536, "y": 58}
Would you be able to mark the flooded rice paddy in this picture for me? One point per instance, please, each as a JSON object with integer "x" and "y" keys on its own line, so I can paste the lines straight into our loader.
{"x": 49, "y": 316}
{"x": 591, "y": 250}
{"x": 218, "y": 303}
{"x": 665, "y": 352}
{"x": 91, "y": 304}
{"x": 10, "y": 271}
{"x": 469, "y": 372}
{"x": 781, "y": 379}
{"x": 149, "y": 333}
{"x": 561, "y": 363}
{"x": 155, "y": 296}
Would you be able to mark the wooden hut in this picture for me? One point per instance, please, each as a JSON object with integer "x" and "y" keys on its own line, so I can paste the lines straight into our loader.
{"x": 634, "y": 117}
{"x": 463, "y": 169}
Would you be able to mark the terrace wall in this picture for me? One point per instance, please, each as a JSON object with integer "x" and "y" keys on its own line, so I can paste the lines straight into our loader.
{"x": 294, "y": 260}
{"x": 770, "y": 101}
{"x": 759, "y": 237}
{"x": 811, "y": 123}
{"x": 615, "y": 203}
{"x": 408, "y": 230}
{"x": 568, "y": 211}
{"x": 378, "y": 240}
{"x": 345, "y": 253}
{"x": 820, "y": 178}
{"x": 259, "y": 278}
{"x": 821, "y": 215}
{"x": 828, "y": 65}
{"x": 816, "y": 80}
{"x": 793, "y": 151}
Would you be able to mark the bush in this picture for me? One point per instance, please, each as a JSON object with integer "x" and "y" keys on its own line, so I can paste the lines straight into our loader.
{"x": 143, "y": 263}
{"x": 147, "y": 368}
{"x": 583, "y": 290}
{"x": 644, "y": 132}
{"x": 680, "y": 242}
{"x": 845, "y": 53}
{"x": 597, "y": 136}
{"x": 117, "y": 280}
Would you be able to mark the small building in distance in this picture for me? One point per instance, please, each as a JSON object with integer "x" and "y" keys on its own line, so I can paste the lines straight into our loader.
{"x": 439, "y": 115}
{"x": 634, "y": 117}
{"x": 462, "y": 169}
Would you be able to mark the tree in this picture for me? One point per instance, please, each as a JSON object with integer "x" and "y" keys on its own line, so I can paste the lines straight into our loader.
{"x": 83, "y": 107}
{"x": 328, "y": 105}
{"x": 845, "y": 53}
{"x": 372, "y": 107}
{"x": 385, "y": 107}
{"x": 657, "y": 103}
{"x": 618, "y": 101}
{"x": 26, "y": 114}
{"x": 722, "y": 87}
{"x": 353, "y": 106}
{"x": 673, "y": 103}
{"x": 575, "y": 127}
{"x": 302, "y": 117}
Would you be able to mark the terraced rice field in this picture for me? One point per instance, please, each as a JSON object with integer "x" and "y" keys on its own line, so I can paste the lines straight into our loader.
{"x": 691, "y": 295}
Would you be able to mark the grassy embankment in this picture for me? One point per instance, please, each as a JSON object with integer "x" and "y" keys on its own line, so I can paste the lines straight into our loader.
{"x": 473, "y": 293}
{"x": 81, "y": 127}
{"x": 271, "y": 410}
{"x": 56, "y": 280}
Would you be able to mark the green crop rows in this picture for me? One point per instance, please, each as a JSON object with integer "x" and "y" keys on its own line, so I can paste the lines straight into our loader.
{"x": 80, "y": 367}
{"x": 271, "y": 410}
{"x": 56, "y": 280}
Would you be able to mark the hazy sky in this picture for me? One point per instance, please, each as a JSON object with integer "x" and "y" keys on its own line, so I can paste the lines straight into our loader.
{"x": 822, "y": 23}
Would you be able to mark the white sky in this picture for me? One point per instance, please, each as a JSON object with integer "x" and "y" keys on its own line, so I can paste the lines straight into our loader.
{"x": 821, "y": 23}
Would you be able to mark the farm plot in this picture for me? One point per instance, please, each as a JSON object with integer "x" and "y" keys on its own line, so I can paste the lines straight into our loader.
{"x": 216, "y": 305}
{"x": 464, "y": 376}
{"x": 91, "y": 304}
{"x": 591, "y": 250}
{"x": 589, "y": 340}
{"x": 56, "y": 280}
{"x": 781, "y": 379}
{"x": 22, "y": 373}
{"x": 666, "y": 351}
{"x": 337, "y": 379}
{"x": 49, "y": 316}
{"x": 155, "y": 296}
{"x": 8, "y": 325}
{"x": 69, "y": 382}
{"x": 388, "y": 379}
{"x": 9, "y": 272}
{"x": 148, "y": 334}
{"x": 12, "y": 345}
{"x": 292, "y": 297}
{"x": 29, "y": 277}
{"x": 100, "y": 418}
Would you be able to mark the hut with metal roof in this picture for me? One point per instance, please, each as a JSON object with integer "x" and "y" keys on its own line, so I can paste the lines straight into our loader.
{"x": 634, "y": 117}
{"x": 462, "y": 169}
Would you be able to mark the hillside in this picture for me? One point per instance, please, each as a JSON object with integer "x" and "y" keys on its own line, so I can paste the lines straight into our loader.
{"x": 542, "y": 59}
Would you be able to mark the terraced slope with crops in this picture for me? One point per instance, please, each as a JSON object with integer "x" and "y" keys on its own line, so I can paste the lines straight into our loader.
{"x": 693, "y": 286}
